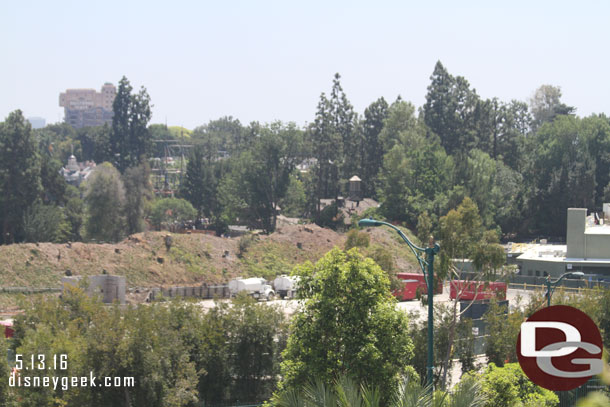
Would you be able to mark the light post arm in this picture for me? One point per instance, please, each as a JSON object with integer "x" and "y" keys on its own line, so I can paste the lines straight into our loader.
{"x": 550, "y": 285}
{"x": 428, "y": 262}
{"x": 414, "y": 248}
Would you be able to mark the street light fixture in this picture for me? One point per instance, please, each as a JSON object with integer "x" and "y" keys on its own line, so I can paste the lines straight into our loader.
{"x": 550, "y": 285}
{"x": 430, "y": 252}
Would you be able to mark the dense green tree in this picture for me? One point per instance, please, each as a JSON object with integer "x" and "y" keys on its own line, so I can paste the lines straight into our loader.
{"x": 337, "y": 143}
{"x": 75, "y": 213}
{"x": 200, "y": 184}
{"x": 257, "y": 337}
{"x": 400, "y": 125}
{"x": 515, "y": 128}
{"x": 347, "y": 325}
{"x": 176, "y": 354}
{"x": 327, "y": 150}
{"x": 53, "y": 184}
{"x": 489, "y": 119}
{"x": 490, "y": 184}
{"x": 137, "y": 342}
{"x": 372, "y": 148}
{"x": 509, "y": 386}
{"x": 460, "y": 231}
{"x": 424, "y": 226}
{"x": 560, "y": 173}
{"x": 45, "y": 223}
{"x": 138, "y": 192}
{"x": 171, "y": 212}
{"x": 450, "y": 110}
{"x": 20, "y": 183}
{"x": 500, "y": 127}
{"x": 489, "y": 256}
{"x": 130, "y": 140}
{"x": 225, "y": 134}
{"x": 440, "y": 108}
{"x": 95, "y": 144}
{"x": 503, "y": 328}
{"x": 59, "y": 141}
{"x": 119, "y": 136}
{"x": 414, "y": 173}
{"x": 596, "y": 131}
{"x": 260, "y": 177}
{"x": 232, "y": 196}
{"x": 140, "y": 344}
{"x": 105, "y": 198}
{"x": 344, "y": 121}
{"x": 393, "y": 184}
{"x": 294, "y": 202}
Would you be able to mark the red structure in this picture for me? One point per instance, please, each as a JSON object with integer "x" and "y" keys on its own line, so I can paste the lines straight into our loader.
{"x": 423, "y": 287}
{"x": 477, "y": 290}
{"x": 8, "y": 328}
{"x": 408, "y": 290}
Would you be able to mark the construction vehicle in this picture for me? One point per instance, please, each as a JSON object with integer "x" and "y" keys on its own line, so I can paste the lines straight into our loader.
{"x": 286, "y": 286}
{"x": 256, "y": 287}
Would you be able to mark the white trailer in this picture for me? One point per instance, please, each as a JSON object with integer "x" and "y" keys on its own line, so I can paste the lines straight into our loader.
{"x": 256, "y": 287}
{"x": 286, "y": 286}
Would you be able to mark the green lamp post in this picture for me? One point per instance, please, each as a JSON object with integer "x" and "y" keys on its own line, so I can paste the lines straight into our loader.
{"x": 550, "y": 285}
{"x": 430, "y": 252}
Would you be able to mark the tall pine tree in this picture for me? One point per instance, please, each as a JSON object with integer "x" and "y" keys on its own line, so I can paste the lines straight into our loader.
{"x": 327, "y": 150}
{"x": 200, "y": 183}
{"x": 344, "y": 123}
{"x": 371, "y": 147}
{"x": 336, "y": 142}
{"x": 20, "y": 183}
{"x": 450, "y": 110}
{"x": 130, "y": 140}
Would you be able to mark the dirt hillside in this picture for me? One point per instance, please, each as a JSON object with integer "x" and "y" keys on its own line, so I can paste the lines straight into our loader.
{"x": 192, "y": 260}
{"x": 143, "y": 259}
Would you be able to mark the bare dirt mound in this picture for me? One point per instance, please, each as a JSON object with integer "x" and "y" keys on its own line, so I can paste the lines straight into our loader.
{"x": 193, "y": 259}
{"x": 310, "y": 237}
{"x": 144, "y": 260}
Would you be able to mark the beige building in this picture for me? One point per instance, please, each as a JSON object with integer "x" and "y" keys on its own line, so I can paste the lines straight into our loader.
{"x": 87, "y": 107}
{"x": 587, "y": 248}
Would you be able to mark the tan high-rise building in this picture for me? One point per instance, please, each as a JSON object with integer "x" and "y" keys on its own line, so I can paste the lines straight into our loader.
{"x": 87, "y": 107}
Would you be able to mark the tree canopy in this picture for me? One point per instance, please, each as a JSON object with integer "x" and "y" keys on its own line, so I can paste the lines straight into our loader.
{"x": 347, "y": 324}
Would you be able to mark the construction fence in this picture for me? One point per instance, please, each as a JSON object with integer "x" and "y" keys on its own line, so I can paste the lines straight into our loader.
{"x": 535, "y": 283}
{"x": 202, "y": 292}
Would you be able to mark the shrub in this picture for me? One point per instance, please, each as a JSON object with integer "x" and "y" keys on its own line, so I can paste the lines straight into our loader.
{"x": 356, "y": 238}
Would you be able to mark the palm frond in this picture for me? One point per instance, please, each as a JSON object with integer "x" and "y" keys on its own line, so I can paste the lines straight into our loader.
{"x": 467, "y": 393}
{"x": 412, "y": 394}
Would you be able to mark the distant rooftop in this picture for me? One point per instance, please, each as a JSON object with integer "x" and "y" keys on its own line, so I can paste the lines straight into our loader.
{"x": 591, "y": 228}
{"x": 546, "y": 252}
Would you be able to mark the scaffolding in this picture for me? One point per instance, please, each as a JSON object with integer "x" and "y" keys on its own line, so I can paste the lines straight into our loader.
{"x": 167, "y": 171}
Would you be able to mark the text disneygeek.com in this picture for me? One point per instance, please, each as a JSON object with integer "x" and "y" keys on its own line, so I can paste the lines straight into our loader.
{"x": 67, "y": 382}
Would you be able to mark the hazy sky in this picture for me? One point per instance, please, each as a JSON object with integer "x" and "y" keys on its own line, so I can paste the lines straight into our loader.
{"x": 270, "y": 60}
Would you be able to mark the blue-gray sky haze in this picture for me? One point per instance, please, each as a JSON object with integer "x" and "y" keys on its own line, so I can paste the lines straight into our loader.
{"x": 270, "y": 60}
